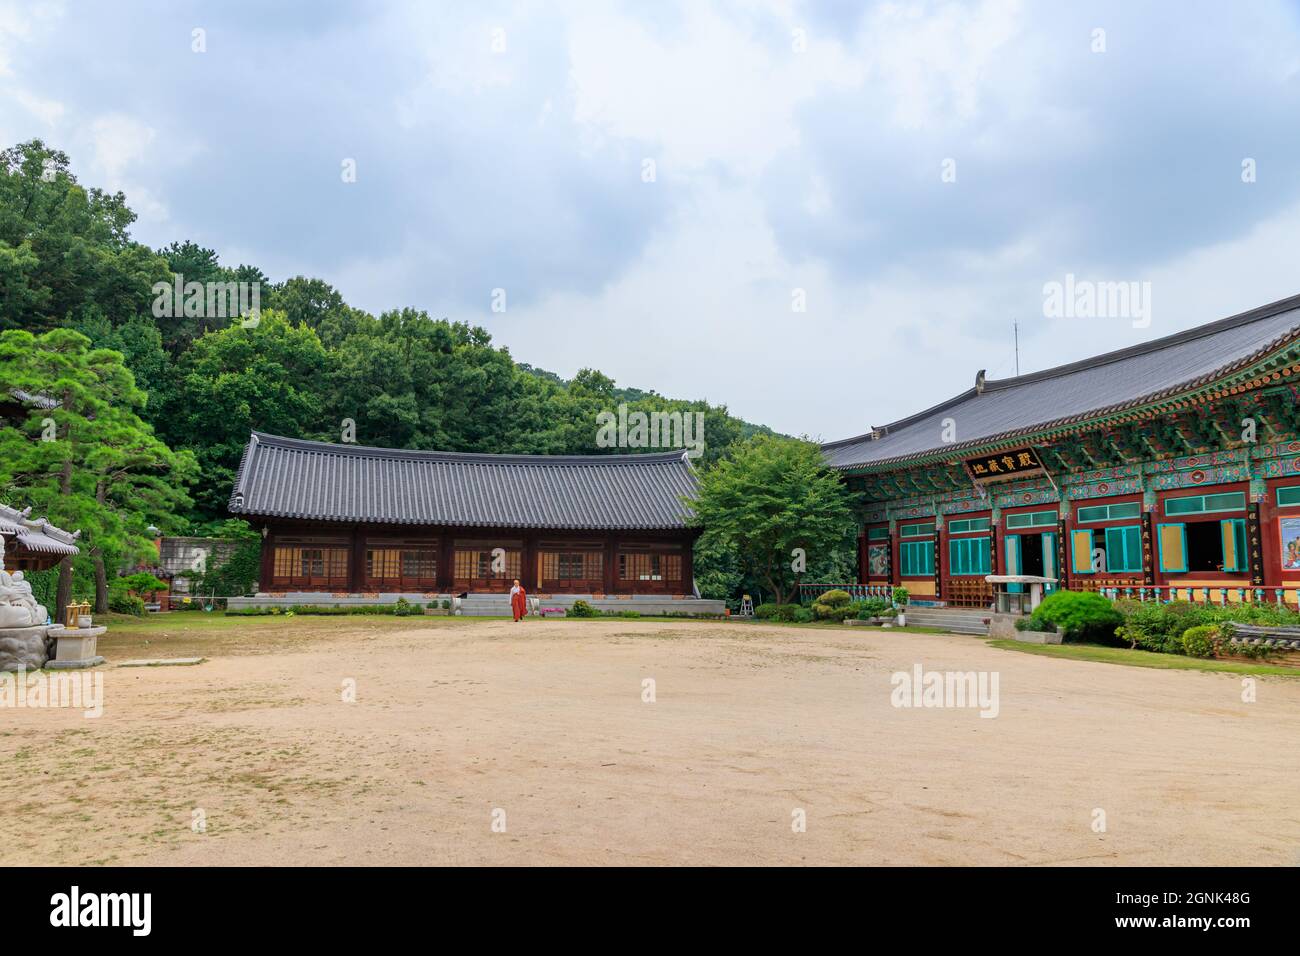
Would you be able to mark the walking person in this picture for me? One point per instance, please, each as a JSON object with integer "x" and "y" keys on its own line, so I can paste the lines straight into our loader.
{"x": 518, "y": 601}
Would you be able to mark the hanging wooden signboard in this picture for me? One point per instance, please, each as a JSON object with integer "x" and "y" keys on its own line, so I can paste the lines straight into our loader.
{"x": 999, "y": 466}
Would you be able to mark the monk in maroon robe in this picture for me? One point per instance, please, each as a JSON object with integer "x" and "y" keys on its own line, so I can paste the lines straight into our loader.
{"x": 518, "y": 600}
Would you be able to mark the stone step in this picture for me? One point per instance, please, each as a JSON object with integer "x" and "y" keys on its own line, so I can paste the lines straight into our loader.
{"x": 957, "y": 620}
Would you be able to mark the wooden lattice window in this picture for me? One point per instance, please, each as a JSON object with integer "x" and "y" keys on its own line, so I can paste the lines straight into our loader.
{"x": 652, "y": 566}
{"x": 572, "y": 565}
{"x": 395, "y": 564}
{"x": 299, "y": 564}
{"x": 470, "y": 565}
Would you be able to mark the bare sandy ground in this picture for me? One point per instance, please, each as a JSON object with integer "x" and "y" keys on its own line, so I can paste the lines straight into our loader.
{"x": 545, "y": 722}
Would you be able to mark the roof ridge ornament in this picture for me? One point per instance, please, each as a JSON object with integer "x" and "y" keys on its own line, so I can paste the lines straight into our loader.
{"x": 979, "y": 382}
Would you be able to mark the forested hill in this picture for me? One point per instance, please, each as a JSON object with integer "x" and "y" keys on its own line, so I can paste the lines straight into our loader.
{"x": 312, "y": 362}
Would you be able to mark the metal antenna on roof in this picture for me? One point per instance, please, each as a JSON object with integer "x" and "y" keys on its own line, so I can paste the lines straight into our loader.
{"x": 1015, "y": 327}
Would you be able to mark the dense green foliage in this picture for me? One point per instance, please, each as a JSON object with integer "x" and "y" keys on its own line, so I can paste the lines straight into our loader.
{"x": 1080, "y": 615}
{"x": 238, "y": 574}
{"x": 773, "y": 504}
{"x": 1199, "y": 641}
{"x": 161, "y": 405}
{"x": 1034, "y": 624}
{"x": 1163, "y": 628}
{"x": 786, "y": 613}
{"x": 873, "y": 607}
{"x": 91, "y": 462}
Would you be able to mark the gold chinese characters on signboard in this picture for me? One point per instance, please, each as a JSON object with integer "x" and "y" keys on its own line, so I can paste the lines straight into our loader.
{"x": 1014, "y": 463}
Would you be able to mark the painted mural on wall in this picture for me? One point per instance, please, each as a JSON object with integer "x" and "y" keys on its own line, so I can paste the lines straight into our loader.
{"x": 878, "y": 560}
{"x": 1290, "y": 528}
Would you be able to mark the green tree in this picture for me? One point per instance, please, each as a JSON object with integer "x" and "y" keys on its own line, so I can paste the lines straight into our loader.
{"x": 64, "y": 249}
{"x": 89, "y": 463}
{"x": 234, "y": 380}
{"x": 769, "y": 498}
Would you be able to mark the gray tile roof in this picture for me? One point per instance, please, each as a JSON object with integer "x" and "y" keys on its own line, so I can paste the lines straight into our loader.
{"x": 37, "y": 534}
{"x": 1128, "y": 377}
{"x": 292, "y": 478}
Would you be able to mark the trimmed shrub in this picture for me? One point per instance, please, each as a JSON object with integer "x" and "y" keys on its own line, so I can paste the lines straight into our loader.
{"x": 833, "y": 605}
{"x": 582, "y": 609}
{"x": 1034, "y": 624}
{"x": 141, "y": 583}
{"x": 901, "y": 597}
{"x": 1157, "y": 627}
{"x": 1200, "y": 641}
{"x": 122, "y": 602}
{"x": 873, "y": 607}
{"x": 779, "y": 612}
{"x": 801, "y": 615}
{"x": 1080, "y": 615}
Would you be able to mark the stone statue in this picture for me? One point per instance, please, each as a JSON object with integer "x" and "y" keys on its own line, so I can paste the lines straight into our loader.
{"x": 18, "y": 607}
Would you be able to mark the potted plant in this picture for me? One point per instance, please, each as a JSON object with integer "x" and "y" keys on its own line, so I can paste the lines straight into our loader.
{"x": 901, "y": 597}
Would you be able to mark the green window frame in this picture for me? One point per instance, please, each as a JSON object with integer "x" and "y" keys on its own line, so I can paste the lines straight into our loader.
{"x": 968, "y": 556}
{"x": 916, "y": 558}
{"x": 916, "y": 530}
{"x": 1123, "y": 548}
{"x": 967, "y": 525}
{"x": 1034, "y": 519}
{"x": 1239, "y": 546}
{"x": 877, "y": 534}
{"x": 1288, "y": 496}
{"x": 1205, "y": 504}
{"x": 1123, "y": 509}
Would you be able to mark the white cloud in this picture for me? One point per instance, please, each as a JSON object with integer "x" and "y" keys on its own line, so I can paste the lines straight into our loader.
{"x": 930, "y": 60}
{"x": 121, "y": 146}
{"x": 713, "y": 89}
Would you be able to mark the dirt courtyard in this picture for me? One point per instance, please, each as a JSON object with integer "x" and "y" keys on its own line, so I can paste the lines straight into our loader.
{"x": 463, "y": 729}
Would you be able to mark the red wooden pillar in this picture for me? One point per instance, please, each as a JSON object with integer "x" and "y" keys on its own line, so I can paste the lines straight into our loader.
{"x": 688, "y": 565}
{"x": 895, "y": 556}
{"x": 446, "y": 559}
{"x": 611, "y": 565}
{"x": 357, "y": 565}
{"x": 268, "y": 562}
{"x": 528, "y": 576}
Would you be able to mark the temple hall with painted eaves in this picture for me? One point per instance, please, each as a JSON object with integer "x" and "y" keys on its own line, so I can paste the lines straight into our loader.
{"x": 1166, "y": 469}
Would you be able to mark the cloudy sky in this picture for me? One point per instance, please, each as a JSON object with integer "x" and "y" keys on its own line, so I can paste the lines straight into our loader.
{"x": 659, "y": 187}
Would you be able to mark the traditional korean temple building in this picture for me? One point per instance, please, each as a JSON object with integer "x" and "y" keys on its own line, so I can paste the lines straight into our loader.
{"x": 349, "y": 519}
{"x": 1170, "y": 464}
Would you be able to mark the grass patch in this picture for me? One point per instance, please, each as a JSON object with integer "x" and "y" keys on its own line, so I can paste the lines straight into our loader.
{"x": 1119, "y": 655}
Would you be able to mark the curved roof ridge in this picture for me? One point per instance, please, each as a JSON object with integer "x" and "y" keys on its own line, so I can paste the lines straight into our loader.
{"x": 377, "y": 451}
{"x": 301, "y": 479}
{"x": 1074, "y": 392}
{"x": 1154, "y": 345}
